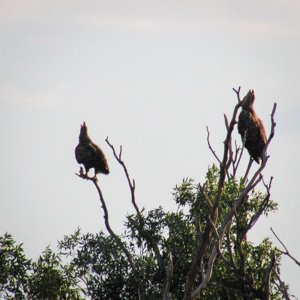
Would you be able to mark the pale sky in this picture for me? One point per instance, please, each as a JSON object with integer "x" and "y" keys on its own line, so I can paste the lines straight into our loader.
{"x": 150, "y": 75}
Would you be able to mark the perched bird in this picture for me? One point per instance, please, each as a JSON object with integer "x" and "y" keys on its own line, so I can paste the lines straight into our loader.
{"x": 251, "y": 128}
{"x": 89, "y": 154}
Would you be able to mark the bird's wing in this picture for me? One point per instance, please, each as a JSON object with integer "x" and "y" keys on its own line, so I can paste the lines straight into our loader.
{"x": 243, "y": 123}
{"x": 79, "y": 153}
{"x": 84, "y": 152}
{"x": 101, "y": 157}
{"x": 91, "y": 150}
{"x": 261, "y": 130}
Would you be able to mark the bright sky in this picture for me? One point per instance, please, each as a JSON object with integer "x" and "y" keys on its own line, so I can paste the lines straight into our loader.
{"x": 150, "y": 75}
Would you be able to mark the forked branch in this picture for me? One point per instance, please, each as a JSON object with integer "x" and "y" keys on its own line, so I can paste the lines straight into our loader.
{"x": 106, "y": 219}
{"x": 227, "y": 160}
{"x": 286, "y": 252}
{"x": 131, "y": 183}
{"x": 111, "y": 232}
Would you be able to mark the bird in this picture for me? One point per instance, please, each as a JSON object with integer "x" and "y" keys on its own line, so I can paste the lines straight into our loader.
{"x": 251, "y": 128}
{"x": 89, "y": 154}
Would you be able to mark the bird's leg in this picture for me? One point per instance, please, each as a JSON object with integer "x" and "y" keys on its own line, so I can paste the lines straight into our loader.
{"x": 81, "y": 171}
{"x": 95, "y": 176}
{"x": 85, "y": 175}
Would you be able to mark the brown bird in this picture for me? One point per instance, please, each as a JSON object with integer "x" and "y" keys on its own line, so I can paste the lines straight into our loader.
{"x": 251, "y": 128}
{"x": 89, "y": 154}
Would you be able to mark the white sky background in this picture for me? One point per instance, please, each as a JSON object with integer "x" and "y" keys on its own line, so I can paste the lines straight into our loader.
{"x": 150, "y": 75}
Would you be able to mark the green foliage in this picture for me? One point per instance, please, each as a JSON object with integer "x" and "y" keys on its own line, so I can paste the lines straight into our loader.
{"x": 94, "y": 266}
{"x": 13, "y": 269}
{"x": 101, "y": 266}
{"x": 21, "y": 278}
{"x": 50, "y": 279}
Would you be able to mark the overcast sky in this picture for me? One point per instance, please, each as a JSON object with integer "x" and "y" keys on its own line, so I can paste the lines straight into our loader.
{"x": 150, "y": 75}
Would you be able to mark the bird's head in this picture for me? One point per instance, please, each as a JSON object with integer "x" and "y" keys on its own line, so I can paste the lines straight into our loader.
{"x": 83, "y": 136}
{"x": 248, "y": 101}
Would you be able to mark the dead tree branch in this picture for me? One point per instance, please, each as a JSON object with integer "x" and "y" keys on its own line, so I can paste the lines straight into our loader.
{"x": 131, "y": 183}
{"x": 224, "y": 165}
{"x": 210, "y": 147}
{"x": 168, "y": 278}
{"x": 262, "y": 206}
{"x": 238, "y": 94}
{"x": 281, "y": 286}
{"x": 151, "y": 243}
{"x": 286, "y": 252}
{"x": 267, "y": 279}
{"x": 237, "y": 158}
{"x": 194, "y": 267}
{"x": 112, "y": 233}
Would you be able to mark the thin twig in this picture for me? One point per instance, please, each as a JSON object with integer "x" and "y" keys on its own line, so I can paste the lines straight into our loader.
{"x": 208, "y": 273}
{"x": 238, "y": 93}
{"x": 282, "y": 287}
{"x": 206, "y": 197}
{"x": 210, "y": 147}
{"x": 131, "y": 183}
{"x": 228, "y": 245}
{"x": 245, "y": 177}
{"x": 286, "y": 252}
{"x": 237, "y": 158}
{"x": 230, "y": 151}
{"x": 267, "y": 279}
{"x": 218, "y": 245}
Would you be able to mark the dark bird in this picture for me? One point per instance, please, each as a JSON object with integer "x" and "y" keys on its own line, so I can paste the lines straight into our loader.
{"x": 251, "y": 128}
{"x": 89, "y": 154}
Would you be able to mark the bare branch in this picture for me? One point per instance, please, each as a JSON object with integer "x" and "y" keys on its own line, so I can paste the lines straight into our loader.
{"x": 168, "y": 278}
{"x": 267, "y": 279}
{"x": 202, "y": 190}
{"x": 257, "y": 177}
{"x": 262, "y": 206}
{"x": 214, "y": 211}
{"x": 224, "y": 165}
{"x": 273, "y": 125}
{"x": 207, "y": 274}
{"x": 226, "y": 121}
{"x": 109, "y": 229}
{"x": 228, "y": 245}
{"x": 286, "y": 252}
{"x": 245, "y": 177}
{"x": 210, "y": 147}
{"x": 238, "y": 93}
{"x": 111, "y": 232}
{"x": 218, "y": 240}
{"x": 237, "y": 158}
{"x": 230, "y": 151}
{"x": 282, "y": 287}
{"x": 131, "y": 183}
{"x": 120, "y": 152}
